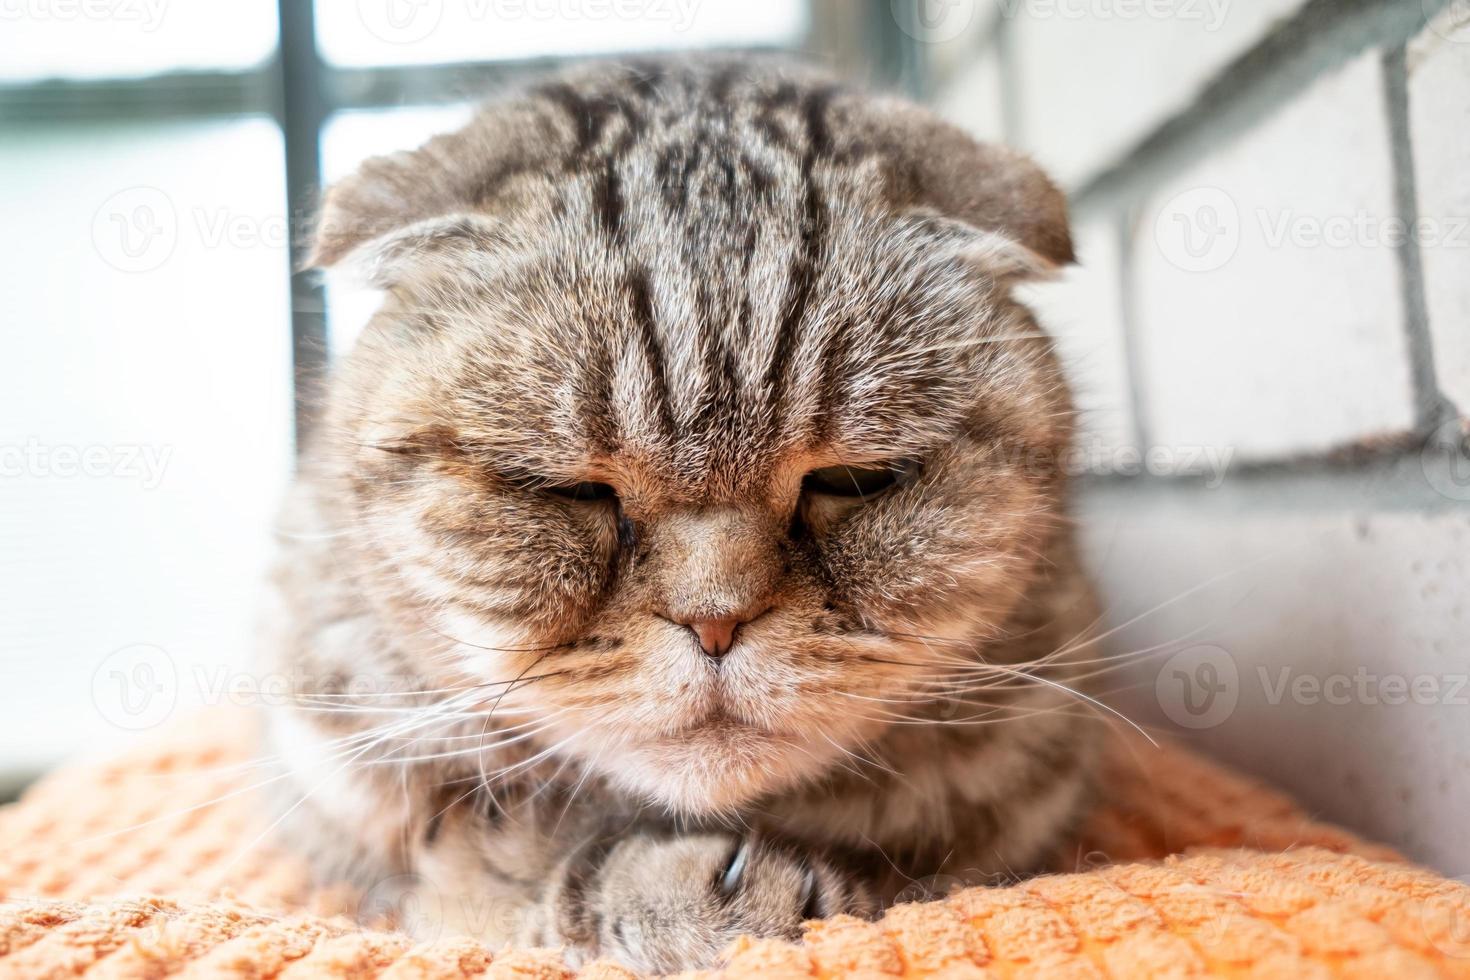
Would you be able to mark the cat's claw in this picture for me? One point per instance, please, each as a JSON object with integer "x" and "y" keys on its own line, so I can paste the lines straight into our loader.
{"x": 669, "y": 903}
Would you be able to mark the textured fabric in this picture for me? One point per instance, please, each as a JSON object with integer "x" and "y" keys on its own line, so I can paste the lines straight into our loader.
{"x": 127, "y": 869}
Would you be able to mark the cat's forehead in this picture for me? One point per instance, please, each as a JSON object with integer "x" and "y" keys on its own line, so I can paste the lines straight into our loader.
{"x": 720, "y": 372}
{"x": 710, "y": 284}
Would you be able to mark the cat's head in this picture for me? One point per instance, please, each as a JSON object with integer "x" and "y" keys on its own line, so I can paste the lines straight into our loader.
{"x": 699, "y": 409}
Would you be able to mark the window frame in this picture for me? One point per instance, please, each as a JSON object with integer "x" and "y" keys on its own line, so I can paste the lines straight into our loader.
{"x": 302, "y": 91}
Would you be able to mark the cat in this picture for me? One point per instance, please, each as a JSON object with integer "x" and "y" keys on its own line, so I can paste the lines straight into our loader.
{"x": 682, "y": 552}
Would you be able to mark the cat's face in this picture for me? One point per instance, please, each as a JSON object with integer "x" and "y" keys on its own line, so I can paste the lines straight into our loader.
{"x": 705, "y": 503}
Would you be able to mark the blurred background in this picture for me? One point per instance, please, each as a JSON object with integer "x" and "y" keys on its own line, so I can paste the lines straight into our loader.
{"x": 1269, "y": 333}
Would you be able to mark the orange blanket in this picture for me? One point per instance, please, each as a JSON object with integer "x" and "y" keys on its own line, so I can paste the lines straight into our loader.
{"x": 1186, "y": 870}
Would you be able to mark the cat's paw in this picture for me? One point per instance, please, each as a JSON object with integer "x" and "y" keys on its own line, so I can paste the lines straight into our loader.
{"x": 664, "y": 904}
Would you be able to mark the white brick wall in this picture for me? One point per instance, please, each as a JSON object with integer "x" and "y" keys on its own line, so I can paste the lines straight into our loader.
{"x": 1318, "y": 596}
{"x": 1269, "y": 315}
{"x": 1096, "y": 76}
{"x": 950, "y": 33}
{"x": 1083, "y": 310}
{"x": 1283, "y": 330}
{"x": 1439, "y": 115}
{"x": 972, "y": 97}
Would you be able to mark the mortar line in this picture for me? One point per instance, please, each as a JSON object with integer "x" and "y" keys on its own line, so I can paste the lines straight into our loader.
{"x": 1430, "y": 403}
{"x": 1122, "y": 227}
{"x": 1321, "y": 37}
{"x": 1003, "y": 38}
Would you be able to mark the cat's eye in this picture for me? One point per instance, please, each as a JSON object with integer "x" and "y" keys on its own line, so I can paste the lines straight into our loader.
{"x": 584, "y": 491}
{"x": 864, "y": 481}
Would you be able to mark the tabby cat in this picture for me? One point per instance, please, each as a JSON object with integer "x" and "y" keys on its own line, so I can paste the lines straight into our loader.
{"x": 681, "y": 551}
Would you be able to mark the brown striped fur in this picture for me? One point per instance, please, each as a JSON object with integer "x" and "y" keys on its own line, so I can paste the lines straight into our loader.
{"x": 693, "y": 282}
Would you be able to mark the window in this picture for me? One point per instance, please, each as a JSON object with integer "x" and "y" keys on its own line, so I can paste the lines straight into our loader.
{"x": 418, "y": 32}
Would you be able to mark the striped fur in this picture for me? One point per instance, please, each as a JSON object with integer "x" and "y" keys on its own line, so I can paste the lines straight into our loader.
{"x": 694, "y": 282}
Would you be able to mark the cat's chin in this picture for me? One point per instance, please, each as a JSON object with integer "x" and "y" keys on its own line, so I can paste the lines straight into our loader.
{"x": 714, "y": 769}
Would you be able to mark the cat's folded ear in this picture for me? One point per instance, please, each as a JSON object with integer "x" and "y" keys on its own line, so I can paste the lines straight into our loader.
{"x": 999, "y": 191}
{"x": 397, "y": 206}
{"x": 393, "y": 211}
{"x": 387, "y": 259}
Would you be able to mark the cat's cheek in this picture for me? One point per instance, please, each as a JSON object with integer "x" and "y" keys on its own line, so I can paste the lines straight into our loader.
{"x": 937, "y": 563}
{"x": 482, "y": 645}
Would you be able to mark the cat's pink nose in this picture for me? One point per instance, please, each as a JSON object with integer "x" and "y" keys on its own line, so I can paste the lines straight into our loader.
{"x": 715, "y": 636}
